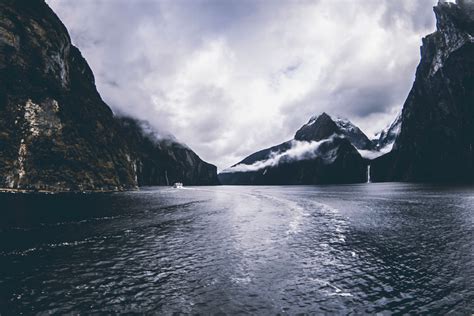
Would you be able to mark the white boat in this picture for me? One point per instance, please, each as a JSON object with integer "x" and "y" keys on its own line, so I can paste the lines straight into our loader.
{"x": 178, "y": 185}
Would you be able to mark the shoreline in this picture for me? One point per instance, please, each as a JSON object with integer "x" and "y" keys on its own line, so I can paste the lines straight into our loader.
{"x": 27, "y": 191}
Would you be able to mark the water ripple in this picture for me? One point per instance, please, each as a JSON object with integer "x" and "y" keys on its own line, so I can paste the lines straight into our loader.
{"x": 255, "y": 250}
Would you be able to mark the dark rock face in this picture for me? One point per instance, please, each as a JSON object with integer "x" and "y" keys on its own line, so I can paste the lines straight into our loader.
{"x": 56, "y": 133}
{"x": 322, "y": 126}
{"x": 388, "y": 136}
{"x": 437, "y": 131}
{"x": 319, "y": 154}
{"x": 163, "y": 161}
{"x": 357, "y": 138}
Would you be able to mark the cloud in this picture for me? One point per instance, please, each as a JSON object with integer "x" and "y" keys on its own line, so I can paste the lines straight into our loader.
{"x": 231, "y": 77}
{"x": 372, "y": 154}
{"x": 299, "y": 150}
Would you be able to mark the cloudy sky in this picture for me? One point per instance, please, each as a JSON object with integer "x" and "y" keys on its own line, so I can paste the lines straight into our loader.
{"x": 230, "y": 77}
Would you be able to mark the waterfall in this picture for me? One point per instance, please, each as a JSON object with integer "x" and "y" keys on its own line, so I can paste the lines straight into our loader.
{"x": 368, "y": 174}
{"x": 166, "y": 177}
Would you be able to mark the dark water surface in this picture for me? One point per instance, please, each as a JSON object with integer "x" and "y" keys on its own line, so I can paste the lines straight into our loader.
{"x": 387, "y": 248}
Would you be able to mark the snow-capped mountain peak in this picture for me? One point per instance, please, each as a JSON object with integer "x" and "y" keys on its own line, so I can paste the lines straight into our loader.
{"x": 388, "y": 135}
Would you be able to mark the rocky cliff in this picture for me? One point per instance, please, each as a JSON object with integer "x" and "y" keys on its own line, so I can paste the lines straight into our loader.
{"x": 319, "y": 153}
{"x": 163, "y": 161}
{"x": 386, "y": 137}
{"x": 436, "y": 137}
{"x": 56, "y": 133}
{"x": 336, "y": 125}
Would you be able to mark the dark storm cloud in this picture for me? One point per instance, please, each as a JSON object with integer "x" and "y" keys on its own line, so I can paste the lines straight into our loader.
{"x": 229, "y": 77}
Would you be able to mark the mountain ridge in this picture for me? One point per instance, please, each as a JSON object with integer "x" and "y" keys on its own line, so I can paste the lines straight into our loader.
{"x": 56, "y": 132}
{"x": 318, "y": 153}
{"x": 436, "y": 137}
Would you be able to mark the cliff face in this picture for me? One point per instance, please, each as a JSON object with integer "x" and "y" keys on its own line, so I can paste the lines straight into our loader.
{"x": 386, "y": 138}
{"x": 56, "y": 133}
{"x": 320, "y": 153}
{"x": 437, "y": 130}
{"x": 163, "y": 161}
{"x": 318, "y": 128}
{"x": 328, "y": 125}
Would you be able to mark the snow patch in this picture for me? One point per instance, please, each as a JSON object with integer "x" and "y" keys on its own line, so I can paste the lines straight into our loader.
{"x": 312, "y": 120}
{"x": 388, "y": 135}
{"x": 345, "y": 125}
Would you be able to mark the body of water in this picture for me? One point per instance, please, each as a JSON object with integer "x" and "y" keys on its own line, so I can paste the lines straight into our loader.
{"x": 369, "y": 248}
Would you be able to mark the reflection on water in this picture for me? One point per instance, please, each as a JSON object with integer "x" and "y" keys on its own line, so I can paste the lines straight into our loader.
{"x": 389, "y": 248}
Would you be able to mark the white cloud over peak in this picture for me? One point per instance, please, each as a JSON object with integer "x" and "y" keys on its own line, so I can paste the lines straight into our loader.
{"x": 299, "y": 150}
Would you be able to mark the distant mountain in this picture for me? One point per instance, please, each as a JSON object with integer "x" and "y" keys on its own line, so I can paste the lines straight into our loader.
{"x": 159, "y": 161}
{"x": 436, "y": 136}
{"x": 354, "y": 134}
{"x": 319, "y": 153}
{"x": 386, "y": 138}
{"x": 56, "y": 133}
{"x": 432, "y": 139}
{"x": 337, "y": 125}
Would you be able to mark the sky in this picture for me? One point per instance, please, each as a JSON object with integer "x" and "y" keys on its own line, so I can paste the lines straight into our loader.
{"x": 231, "y": 77}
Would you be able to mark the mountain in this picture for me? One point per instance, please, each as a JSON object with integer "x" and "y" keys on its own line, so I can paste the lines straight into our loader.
{"x": 354, "y": 134}
{"x": 337, "y": 125}
{"x": 159, "y": 161}
{"x": 56, "y": 133}
{"x": 436, "y": 138}
{"x": 386, "y": 138}
{"x": 319, "y": 153}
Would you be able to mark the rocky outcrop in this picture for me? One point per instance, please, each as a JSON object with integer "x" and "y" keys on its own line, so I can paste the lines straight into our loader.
{"x": 56, "y": 133}
{"x": 353, "y": 133}
{"x": 318, "y": 128}
{"x": 386, "y": 137}
{"x": 436, "y": 138}
{"x": 328, "y": 125}
{"x": 319, "y": 153}
{"x": 163, "y": 161}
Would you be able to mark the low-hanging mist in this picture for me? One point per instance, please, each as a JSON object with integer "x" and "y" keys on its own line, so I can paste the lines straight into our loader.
{"x": 372, "y": 154}
{"x": 299, "y": 150}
